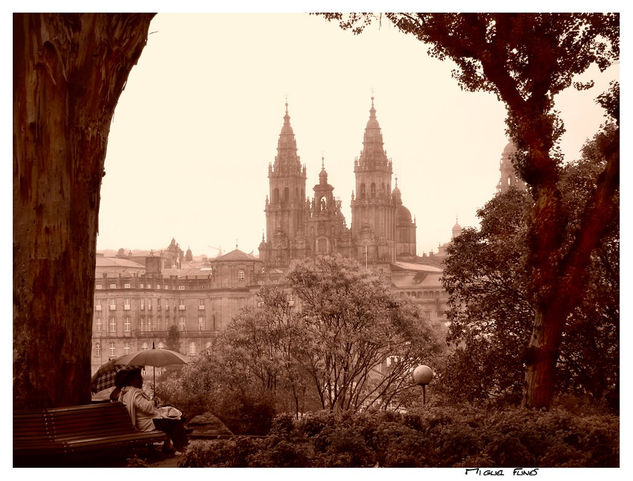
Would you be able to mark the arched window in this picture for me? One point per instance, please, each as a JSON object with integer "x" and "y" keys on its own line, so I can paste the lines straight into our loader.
{"x": 144, "y": 347}
{"x": 240, "y": 275}
{"x": 98, "y": 349}
{"x": 275, "y": 196}
{"x": 373, "y": 189}
{"x": 323, "y": 203}
{"x": 362, "y": 191}
{"x": 286, "y": 194}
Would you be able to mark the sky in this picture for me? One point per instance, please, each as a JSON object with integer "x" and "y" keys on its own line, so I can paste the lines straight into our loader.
{"x": 198, "y": 122}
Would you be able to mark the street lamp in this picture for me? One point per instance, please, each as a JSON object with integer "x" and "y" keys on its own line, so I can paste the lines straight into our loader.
{"x": 422, "y": 375}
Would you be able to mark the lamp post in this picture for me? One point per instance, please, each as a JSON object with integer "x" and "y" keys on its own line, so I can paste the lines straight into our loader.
{"x": 422, "y": 375}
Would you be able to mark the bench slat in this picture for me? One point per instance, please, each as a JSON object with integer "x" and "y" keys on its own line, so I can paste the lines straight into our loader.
{"x": 91, "y": 429}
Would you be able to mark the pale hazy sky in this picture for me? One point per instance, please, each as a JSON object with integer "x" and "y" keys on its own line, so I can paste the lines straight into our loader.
{"x": 199, "y": 119}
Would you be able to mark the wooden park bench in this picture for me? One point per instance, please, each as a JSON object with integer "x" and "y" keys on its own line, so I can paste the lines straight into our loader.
{"x": 91, "y": 434}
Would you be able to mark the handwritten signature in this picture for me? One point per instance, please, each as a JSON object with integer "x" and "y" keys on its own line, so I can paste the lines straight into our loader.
{"x": 501, "y": 472}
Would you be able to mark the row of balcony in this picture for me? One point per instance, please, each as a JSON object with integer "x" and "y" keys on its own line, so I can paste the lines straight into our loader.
{"x": 127, "y": 307}
{"x": 138, "y": 333}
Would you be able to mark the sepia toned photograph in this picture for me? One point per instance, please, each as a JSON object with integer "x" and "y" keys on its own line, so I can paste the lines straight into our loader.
{"x": 316, "y": 240}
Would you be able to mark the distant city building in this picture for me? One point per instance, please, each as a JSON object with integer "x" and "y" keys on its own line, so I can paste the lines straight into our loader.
{"x": 381, "y": 232}
{"x": 509, "y": 177}
{"x": 140, "y": 295}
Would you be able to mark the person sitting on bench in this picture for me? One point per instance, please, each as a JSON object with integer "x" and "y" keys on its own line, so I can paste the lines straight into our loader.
{"x": 145, "y": 416}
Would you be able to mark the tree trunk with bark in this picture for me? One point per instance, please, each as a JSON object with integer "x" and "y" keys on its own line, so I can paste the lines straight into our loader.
{"x": 68, "y": 73}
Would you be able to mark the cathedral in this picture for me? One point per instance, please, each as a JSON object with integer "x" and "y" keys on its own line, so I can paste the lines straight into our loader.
{"x": 297, "y": 226}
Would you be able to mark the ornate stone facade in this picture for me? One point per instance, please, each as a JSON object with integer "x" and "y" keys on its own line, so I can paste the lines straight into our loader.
{"x": 382, "y": 230}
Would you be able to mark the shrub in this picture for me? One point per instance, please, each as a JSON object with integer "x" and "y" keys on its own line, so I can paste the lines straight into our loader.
{"x": 434, "y": 437}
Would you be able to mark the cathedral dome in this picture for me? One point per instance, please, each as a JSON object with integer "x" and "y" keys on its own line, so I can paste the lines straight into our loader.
{"x": 457, "y": 229}
{"x": 403, "y": 215}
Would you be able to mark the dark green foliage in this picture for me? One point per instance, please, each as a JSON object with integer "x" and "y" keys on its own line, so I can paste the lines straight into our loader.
{"x": 491, "y": 311}
{"x": 435, "y": 437}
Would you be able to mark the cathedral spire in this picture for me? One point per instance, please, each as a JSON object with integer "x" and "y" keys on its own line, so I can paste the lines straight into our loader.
{"x": 287, "y": 159}
{"x": 323, "y": 173}
{"x": 373, "y": 154}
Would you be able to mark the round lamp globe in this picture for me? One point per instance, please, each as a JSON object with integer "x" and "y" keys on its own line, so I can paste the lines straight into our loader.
{"x": 422, "y": 375}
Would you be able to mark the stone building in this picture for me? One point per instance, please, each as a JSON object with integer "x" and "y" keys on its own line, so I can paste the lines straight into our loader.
{"x": 381, "y": 231}
{"x": 509, "y": 177}
{"x": 141, "y": 295}
{"x": 136, "y": 304}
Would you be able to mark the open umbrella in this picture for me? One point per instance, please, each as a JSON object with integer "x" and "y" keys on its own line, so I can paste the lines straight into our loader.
{"x": 152, "y": 357}
{"x": 105, "y": 375}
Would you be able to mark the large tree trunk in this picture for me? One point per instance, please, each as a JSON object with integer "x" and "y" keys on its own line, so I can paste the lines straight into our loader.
{"x": 68, "y": 73}
{"x": 559, "y": 277}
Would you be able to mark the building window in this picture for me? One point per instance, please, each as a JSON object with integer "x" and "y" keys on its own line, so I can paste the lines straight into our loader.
{"x": 373, "y": 189}
{"x": 322, "y": 245}
{"x": 112, "y": 286}
{"x": 112, "y": 324}
{"x": 127, "y": 326}
{"x": 240, "y": 275}
{"x": 192, "y": 348}
{"x": 182, "y": 323}
{"x": 112, "y": 350}
{"x": 98, "y": 305}
{"x": 148, "y": 286}
{"x": 157, "y": 286}
{"x": 362, "y": 191}
{"x": 142, "y": 304}
{"x": 126, "y": 348}
{"x": 200, "y": 323}
{"x": 140, "y": 285}
{"x": 181, "y": 288}
{"x": 207, "y": 345}
{"x": 99, "y": 324}
{"x": 149, "y": 304}
{"x": 201, "y": 305}
{"x": 149, "y": 324}
{"x": 126, "y": 285}
{"x": 97, "y": 349}
{"x": 181, "y": 304}
{"x": 286, "y": 195}
{"x": 145, "y": 346}
{"x": 161, "y": 345}
{"x": 113, "y": 305}
{"x": 98, "y": 286}
{"x": 275, "y": 196}
{"x": 158, "y": 304}
{"x": 126, "y": 305}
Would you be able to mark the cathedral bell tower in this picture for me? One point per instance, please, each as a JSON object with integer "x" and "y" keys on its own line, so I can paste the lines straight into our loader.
{"x": 373, "y": 210}
{"x": 286, "y": 207}
{"x": 509, "y": 178}
{"x": 327, "y": 233}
